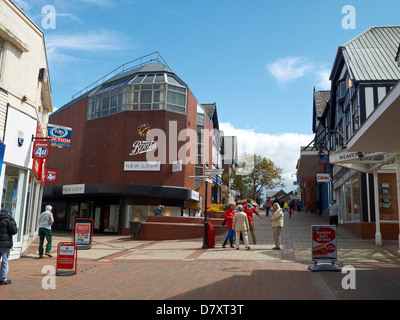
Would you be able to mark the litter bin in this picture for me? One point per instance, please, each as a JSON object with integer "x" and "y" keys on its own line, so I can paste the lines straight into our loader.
{"x": 211, "y": 243}
{"x": 135, "y": 228}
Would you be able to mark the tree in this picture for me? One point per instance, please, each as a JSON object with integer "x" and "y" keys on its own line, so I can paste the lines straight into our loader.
{"x": 260, "y": 173}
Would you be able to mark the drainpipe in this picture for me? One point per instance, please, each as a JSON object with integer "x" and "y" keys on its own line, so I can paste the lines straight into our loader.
{"x": 378, "y": 235}
{"x": 398, "y": 191}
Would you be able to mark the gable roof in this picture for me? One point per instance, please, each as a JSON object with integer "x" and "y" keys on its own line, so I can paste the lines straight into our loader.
{"x": 370, "y": 55}
{"x": 321, "y": 99}
{"x": 211, "y": 110}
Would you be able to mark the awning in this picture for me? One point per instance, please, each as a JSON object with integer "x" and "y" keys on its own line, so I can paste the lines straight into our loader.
{"x": 367, "y": 162}
{"x": 381, "y": 131}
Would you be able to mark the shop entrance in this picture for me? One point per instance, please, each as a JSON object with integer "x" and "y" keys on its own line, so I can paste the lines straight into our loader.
{"x": 106, "y": 218}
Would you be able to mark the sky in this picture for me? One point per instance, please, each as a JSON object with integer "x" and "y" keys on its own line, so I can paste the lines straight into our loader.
{"x": 258, "y": 60}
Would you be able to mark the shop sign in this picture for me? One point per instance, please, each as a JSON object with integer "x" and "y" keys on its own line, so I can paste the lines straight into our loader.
{"x": 140, "y": 147}
{"x": 324, "y": 243}
{"x": 41, "y": 150}
{"x": 348, "y": 156}
{"x": 177, "y": 166}
{"x": 142, "y": 166}
{"x": 323, "y": 177}
{"x": 51, "y": 175}
{"x": 66, "y": 257}
{"x": 323, "y": 161}
{"x": 74, "y": 189}
{"x": 60, "y": 136}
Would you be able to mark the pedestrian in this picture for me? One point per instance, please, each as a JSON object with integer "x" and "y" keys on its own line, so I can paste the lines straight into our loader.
{"x": 333, "y": 213}
{"x": 228, "y": 216}
{"x": 291, "y": 207}
{"x": 159, "y": 210}
{"x": 199, "y": 213}
{"x": 298, "y": 204}
{"x": 249, "y": 209}
{"x": 277, "y": 224}
{"x": 241, "y": 225}
{"x": 46, "y": 221}
{"x": 8, "y": 228}
{"x": 267, "y": 206}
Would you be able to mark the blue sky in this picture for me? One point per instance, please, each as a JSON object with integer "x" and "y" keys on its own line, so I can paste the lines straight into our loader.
{"x": 258, "y": 59}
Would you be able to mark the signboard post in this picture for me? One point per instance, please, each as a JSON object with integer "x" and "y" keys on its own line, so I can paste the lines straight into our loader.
{"x": 324, "y": 248}
{"x": 82, "y": 233}
{"x": 67, "y": 259}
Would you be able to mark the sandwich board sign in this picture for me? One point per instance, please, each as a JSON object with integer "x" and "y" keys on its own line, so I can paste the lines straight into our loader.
{"x": 67, "y": 258}
{"x": 324, "y": 248}
{"x": 83, "y": 233}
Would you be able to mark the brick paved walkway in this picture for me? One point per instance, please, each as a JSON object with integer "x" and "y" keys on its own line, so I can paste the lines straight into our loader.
{"x": 118, "y": 268}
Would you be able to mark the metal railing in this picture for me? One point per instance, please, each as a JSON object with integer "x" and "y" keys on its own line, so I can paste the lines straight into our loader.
{"x": 155, "y": 56}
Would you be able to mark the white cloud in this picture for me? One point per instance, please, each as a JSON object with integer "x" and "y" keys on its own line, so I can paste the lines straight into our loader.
{"x": 282, "y": 149}
{"x": 103, "y": 3}
{"x": 91, "y": 41}
{"x": 290, "y": 68}
{"x": 324, "y": 82}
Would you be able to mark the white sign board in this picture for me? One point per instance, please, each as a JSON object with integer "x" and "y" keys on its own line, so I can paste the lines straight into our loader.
{"x": 74, "y": 189}
{"x": 142, "y": 166}
{"x": 323, "y": 177}
{"x": 177, "y": 166}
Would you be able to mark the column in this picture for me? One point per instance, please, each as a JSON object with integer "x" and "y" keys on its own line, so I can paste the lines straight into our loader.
{"x": 378, "y": 235}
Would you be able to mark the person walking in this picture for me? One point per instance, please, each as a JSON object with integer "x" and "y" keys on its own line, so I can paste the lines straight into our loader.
{"x": 267, "y": 206}
{"x": 333, "y": 213}
{"x": 228, "y": 216}
{"x": 46, "y": 221}
{"x": 8, "y": 228}
{"x": 291, "y": 207}
{"x": 241, "y": 225}
{"x": 249, "y": 209}
{"x": 277, "y": 224}
{"x": 298, "y": 204}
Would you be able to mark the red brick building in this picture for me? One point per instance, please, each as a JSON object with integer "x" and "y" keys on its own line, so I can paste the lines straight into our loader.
{"x": 136, "y": 144}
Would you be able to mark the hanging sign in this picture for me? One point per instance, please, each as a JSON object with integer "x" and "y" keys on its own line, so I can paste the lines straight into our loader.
{"x": 41, "y": 149}
{"x": 60, "y": 136}
{"x": 323, "y": 177}
{"x": 324, "y": 243}
{"x": 51, "y": 175}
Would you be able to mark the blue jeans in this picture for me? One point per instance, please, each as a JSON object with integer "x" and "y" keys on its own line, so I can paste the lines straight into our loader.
{"x": 5, "y": 253}
{"x": 231, "y": 235}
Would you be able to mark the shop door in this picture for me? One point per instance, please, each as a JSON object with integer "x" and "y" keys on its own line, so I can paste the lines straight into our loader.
{"x": 107, "y": 218}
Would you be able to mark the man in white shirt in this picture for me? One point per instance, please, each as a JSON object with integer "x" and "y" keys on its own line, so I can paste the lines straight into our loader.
{"x": 46, "y": 220}
{"x": 333, "y": 213}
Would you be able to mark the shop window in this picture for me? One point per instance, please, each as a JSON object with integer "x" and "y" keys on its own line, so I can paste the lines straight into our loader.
{"x": 387, "y": 197}
{"x": 351, "y": 198}
{"x": 369, "y": 101}
{"x": 14, "y": 195}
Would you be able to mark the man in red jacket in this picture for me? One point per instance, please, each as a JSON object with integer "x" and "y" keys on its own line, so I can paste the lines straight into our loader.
{"x": 249, "y": 209}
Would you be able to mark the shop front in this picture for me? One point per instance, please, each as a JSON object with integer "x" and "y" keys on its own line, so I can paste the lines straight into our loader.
{"x": 114, "y": 206}
{"x": 20, "y": 178}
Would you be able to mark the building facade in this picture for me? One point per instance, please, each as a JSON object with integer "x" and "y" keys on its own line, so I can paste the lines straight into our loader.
{"x": 139, "y": 140}
{"x": 25, "y": 103}
{"x": 363, "y": 73}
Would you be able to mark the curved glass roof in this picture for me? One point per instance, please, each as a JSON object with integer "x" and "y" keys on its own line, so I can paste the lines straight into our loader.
{"x": 148, "y": 74}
